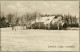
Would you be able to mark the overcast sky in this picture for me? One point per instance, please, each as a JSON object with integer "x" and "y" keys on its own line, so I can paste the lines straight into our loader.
{"x": 49, "y": 7}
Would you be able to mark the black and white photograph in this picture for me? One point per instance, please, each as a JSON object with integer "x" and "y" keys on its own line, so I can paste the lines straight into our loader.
{"x": 39, "y": 25}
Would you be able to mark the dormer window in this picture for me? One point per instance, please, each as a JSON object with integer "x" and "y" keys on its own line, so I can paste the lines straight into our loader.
{"x": 29, "y": 19}
{"x": 47, "y": 19}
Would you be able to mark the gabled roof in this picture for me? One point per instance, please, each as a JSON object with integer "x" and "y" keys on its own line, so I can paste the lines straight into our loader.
{"x": 45, "y": 19}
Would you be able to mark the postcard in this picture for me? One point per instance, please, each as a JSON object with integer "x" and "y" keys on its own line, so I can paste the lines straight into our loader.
{"x": 39, "y": 25}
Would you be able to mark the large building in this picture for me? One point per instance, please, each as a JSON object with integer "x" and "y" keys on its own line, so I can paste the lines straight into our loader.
{"x": 46, "y": 22}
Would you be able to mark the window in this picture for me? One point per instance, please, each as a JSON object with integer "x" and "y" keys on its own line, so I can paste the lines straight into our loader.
{"x": 47, "y": 19}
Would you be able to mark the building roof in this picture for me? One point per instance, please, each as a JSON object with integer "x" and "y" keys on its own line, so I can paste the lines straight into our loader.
{"x": 45, "y": 19}
{"x": 56, "y": 19}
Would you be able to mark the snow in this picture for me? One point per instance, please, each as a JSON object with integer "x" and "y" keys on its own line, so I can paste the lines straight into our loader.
{"x": 39, "y": 40}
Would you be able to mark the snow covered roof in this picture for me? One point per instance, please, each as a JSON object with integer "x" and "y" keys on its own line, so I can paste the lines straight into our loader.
{"x": 45, "y": 19}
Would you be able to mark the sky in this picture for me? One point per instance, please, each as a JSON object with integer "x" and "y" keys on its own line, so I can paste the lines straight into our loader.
{"x": 44, "y": 7}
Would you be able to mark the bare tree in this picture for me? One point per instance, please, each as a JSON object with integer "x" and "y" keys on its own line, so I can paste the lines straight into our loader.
{"x": 31, "y": 18}
{"x": 13, "y": 20}
{"x": 10, "y": 18}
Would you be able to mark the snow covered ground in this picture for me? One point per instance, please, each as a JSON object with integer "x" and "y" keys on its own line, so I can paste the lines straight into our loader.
{"x": 39, "y": 40}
